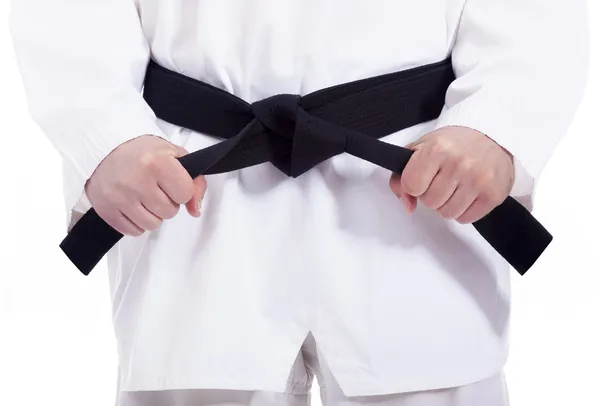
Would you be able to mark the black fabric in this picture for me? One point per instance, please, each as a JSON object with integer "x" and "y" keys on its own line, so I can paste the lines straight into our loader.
{"x": 296, "y": 133}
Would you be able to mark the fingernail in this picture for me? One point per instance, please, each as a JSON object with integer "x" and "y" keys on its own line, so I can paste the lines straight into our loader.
{"x": 199, "y": 207}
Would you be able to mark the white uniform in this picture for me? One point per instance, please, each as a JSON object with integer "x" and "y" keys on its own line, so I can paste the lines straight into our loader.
{"x": 396, "y": 303}
{"x": 309, "y": 363}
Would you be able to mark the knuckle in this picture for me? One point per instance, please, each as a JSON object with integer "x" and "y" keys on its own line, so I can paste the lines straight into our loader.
{"x": 440, "y": 145}
{"x": 112, "y": 195}
{"x": 124, "y": 189}
{"x": 148, "y": 160}
{"x": 485, "y": 179}
{"x": 465, "y": 165}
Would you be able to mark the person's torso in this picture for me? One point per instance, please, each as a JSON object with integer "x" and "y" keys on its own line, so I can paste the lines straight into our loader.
{"x": 205, "y": 301}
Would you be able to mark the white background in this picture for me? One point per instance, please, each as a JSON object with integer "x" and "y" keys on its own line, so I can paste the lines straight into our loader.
{"x": 56, "y": 340}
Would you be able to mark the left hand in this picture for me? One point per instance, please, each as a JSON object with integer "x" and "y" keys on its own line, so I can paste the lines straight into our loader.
{"x": 459, "y": 172}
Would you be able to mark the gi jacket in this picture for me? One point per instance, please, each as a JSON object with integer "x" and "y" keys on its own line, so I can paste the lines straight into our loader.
{"x": 396, "y": 302}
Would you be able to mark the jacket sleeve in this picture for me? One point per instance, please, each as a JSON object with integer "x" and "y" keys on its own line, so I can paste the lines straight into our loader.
{"x": 521, "y": 68}
{"x": 83, "y": 64}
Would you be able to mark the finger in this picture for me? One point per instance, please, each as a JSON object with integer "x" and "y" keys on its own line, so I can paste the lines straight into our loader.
{"x": 141, "y": 217}
{"x": 175, "y": 181}
{"x": 410, "y": 202}
{"x": 476, "y": 211}
{"x": 458, "y": 203}
{"x": 121, "y": 223}
{"x": 439, "y": 192}
{"x": 420, "y": 171}
{"x": 480, "y": 208}
{"x": 160, "y": 204}
{"x": 193, "y": 206}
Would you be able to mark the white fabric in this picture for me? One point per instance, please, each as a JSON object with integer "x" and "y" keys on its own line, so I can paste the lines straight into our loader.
{"x": 396, "y": 303}
{"x": 489, "y": 392}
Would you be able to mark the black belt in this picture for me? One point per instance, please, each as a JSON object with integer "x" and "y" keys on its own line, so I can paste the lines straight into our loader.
{"x": 296, "y": 133}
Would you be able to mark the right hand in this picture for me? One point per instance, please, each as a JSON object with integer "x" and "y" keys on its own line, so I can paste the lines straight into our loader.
{"x": 141, "y": 183}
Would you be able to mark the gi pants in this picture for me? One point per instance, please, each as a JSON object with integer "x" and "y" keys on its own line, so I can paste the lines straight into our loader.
{"x": 489, "y": 392}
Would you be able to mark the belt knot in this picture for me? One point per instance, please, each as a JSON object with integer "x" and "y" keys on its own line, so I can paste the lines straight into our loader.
{"x": 278, "y": 113}
{"x": 299, "y": 140}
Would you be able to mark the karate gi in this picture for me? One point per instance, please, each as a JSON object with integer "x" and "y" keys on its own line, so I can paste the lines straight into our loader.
{"x": 396, "y": 303}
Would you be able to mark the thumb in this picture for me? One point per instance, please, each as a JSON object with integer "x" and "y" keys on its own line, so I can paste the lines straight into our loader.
{"x": 410, "y": 202}
{"x": 194, "y": 205}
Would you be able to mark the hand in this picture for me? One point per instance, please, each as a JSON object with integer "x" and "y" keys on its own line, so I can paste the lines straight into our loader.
{"x": 457, "y": 171}
{"x": 141, "y": 183}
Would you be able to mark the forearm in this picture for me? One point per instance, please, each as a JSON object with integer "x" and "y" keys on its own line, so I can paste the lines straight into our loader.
{"x": 83, "y": 65}
{"x": 521, "y": 68}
